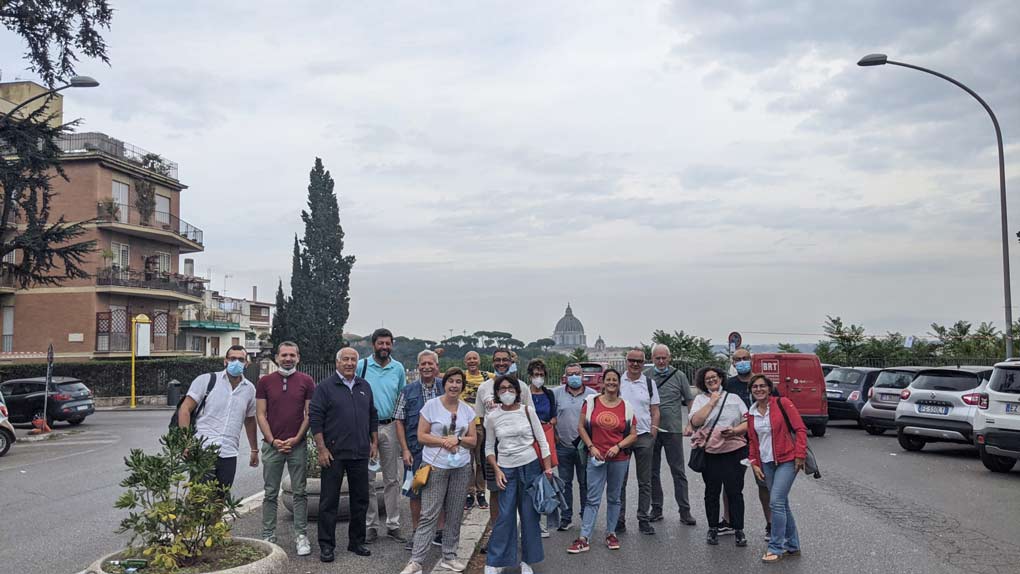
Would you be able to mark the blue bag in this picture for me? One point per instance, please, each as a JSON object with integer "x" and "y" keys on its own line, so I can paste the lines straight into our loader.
{"x": 547, "y": 493}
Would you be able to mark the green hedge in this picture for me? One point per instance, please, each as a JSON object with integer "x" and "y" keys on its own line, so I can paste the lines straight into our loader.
{"x": 113, "y": 378}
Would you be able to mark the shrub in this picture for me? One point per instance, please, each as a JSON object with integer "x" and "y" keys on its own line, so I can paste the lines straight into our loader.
{"x": 175, "y": 511}
{"x": 113, "y": 378}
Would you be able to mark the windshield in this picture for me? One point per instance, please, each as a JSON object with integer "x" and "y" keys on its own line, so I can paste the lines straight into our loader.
{"x": 1005, "y": 381}
{"x": 894, "y": 379}
{"x": 71, "y": 387}
{"x": 844, "y": 376}
{"x": 946, "y": 381}
{"x": 591, "y": 368}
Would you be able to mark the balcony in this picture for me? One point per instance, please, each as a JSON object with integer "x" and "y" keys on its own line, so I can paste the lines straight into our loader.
{"x": 152, "y": 284}
{"x": 159, "y": 226}
{"x": 7, "y": 284}
{"x": 99, "y": 143}
{"x": 211, "y": 320}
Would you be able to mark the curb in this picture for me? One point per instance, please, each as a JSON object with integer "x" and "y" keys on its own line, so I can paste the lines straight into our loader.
{"x": 137, "y": 408}
{"x": 472, "y": 529}
{"x": 250, "y": 504}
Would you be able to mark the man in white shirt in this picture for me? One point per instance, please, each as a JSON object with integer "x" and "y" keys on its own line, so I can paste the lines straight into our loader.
{"x": 643, "y": 396}
{"x": 229, "y": 407}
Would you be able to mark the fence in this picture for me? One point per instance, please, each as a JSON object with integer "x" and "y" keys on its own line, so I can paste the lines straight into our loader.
{"x": 113, "y": 378}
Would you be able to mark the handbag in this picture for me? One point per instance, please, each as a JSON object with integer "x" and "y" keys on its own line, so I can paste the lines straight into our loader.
{"x": 697, "y": 460}
{"x": 547, "y": 493}
{"x": 421, "y": 477}
{"x": 810, "y": 463}
{"x": 550, "y": 439}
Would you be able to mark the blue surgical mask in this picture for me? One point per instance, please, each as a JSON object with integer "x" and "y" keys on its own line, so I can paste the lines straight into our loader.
{"x": 574, "y": 381}
{"x": 513, "y": 368}
{"x": 743, "y": 367}
{"x": 235, "y": 368}
{"x": 661, "y": 371}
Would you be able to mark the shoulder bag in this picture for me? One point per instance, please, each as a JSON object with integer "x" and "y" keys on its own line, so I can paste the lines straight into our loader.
{"x": 697, "y": 460}
{"x": 810, "y": 464}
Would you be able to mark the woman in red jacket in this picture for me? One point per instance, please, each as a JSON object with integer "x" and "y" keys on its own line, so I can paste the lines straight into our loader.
{"x": 778, "y": 446}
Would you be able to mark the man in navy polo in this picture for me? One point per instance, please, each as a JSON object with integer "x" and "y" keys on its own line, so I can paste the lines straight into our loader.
{"x": 387, "y": 378}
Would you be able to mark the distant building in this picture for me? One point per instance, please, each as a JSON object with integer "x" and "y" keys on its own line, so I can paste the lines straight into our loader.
{"x": 569, "y": 332}
{"x": 221, "y": 321}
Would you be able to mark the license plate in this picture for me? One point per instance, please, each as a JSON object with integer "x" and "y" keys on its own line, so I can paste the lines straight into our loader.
{"x": 83, "y": 407}
{"x": 889, "y": 397}
{"x": 932, "y": 410}
{"x": 1013, "y": 407}
{"x": 833, "y": 394}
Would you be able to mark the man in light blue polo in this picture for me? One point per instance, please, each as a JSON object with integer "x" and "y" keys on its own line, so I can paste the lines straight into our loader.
{"x": 387, "y": 378}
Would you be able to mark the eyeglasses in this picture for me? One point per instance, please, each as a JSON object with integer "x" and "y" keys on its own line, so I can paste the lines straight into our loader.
{"x": 712, "y": 378}
{"x": 506, "y": 388}
{"x": 636, "y": 361}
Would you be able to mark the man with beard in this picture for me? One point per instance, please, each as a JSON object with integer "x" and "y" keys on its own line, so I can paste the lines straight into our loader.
{"x": 387, "y": 378}
{"x": 281, "y": 409}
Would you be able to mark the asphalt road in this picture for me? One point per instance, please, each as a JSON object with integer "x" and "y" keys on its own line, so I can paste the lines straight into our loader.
{"x": 877, "y": 509}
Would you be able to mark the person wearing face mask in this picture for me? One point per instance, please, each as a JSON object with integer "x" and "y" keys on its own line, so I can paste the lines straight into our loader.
{"x": 545, "y": 407}
{"x": 229, "y": 407}
{"x": 281, "y": 408}
{"x": 511, "y": 432}
{"x": 446, "y": 430}
{"x": 674, "y": 394}
{"x": 486, "y": 401}
{"x": 569, "y": 400}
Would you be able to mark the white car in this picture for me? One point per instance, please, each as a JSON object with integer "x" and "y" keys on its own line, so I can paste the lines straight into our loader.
{"x": 939, "y": 406}
{"x": 997, "y": 422}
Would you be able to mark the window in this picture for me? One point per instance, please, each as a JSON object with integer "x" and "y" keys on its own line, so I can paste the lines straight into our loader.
{"x": 235, "y": 341}
{"x": 120, "y": 197}
{"x": 121, "y": 255}
{"x": 1005, "y": 380}
{"x": 198, "y": 344}
{"x": 162, "y": 210}
{"x": 11, "y": 257}
{"x": 163, "y": 263}
{"x": 7, "y": 345}
{"x": 946, "y": 381}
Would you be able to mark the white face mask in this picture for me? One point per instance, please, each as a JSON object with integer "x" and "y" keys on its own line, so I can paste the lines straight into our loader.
{"x": 538, "y": 381}
{"x": 508, "y": 398}
{"x": 288, "y": 372}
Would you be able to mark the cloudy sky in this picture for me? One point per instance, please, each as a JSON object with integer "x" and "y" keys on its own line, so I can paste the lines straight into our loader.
{"x": 670, "y": 165}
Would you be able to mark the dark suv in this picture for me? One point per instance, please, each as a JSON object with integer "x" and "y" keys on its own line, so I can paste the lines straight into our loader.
{"x": 846, "y": 390}
{"x": 70, "y": 400}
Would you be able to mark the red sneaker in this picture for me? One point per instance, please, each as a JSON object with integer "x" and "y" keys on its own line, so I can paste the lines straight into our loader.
{"x": 612, "y": 542}
{"x": 580, "y": 545}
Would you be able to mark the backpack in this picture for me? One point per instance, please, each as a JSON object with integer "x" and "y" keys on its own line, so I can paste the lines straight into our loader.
{"x": 589, "y": 403}
{"x": 175, "y": 418}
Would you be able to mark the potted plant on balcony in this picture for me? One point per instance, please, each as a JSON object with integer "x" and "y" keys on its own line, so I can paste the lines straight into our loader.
{"x": 109, "y": 209}
{"x": 145, "y": 200}
{"x": 179, "y": 519}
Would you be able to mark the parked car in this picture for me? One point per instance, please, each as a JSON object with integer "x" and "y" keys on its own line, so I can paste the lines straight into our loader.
{"x": 827, "y": 368}
{"x": 879, "y": 413}
{"x": 798, "y": 376}
{"x": 69, "y": 399}
{"x": 7, "y": 437}
{"x": 591, "y": 374}
{"x": 939, "y": 406}
{"x": 997, "y": 421}
{"x": 846, "y": 390}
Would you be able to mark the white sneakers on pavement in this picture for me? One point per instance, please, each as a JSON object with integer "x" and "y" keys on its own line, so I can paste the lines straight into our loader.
{"x": 411, "y": 568}
{"x": 492, "y": 569}
{"x": 525, "y": 569}
{"x": 545, "y": 531}
{"x": 304, "y": 547}
{"x": 451, "y": 565}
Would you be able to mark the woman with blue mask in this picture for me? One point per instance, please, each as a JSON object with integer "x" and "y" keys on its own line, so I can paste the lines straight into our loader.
{"x": 446, "y": 429}
{"x": 607, "y": 427}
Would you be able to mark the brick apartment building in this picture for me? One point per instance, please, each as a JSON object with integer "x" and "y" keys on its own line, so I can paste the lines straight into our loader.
{"x": 135, "y": 267}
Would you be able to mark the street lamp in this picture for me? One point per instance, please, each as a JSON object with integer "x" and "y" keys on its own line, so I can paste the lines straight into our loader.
{"x": 882, "y": 59}
{"x": 75, "y": 82}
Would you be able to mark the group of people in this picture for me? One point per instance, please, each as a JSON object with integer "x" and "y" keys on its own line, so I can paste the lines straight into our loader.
{"x": 449, "y": 441}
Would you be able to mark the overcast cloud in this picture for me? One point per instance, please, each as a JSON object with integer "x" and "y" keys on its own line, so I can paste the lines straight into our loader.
{"x": 674, "y": 165}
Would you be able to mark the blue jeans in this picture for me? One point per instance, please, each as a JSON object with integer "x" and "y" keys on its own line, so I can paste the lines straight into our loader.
{"x": 571, "y": 464}
{"x": 515, "y": 500}
{"x": 779, "y": 478}
{"x": 609, "y": 477}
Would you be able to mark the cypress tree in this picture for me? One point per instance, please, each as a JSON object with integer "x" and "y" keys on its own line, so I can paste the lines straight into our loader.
{"x": 280, "y": 330}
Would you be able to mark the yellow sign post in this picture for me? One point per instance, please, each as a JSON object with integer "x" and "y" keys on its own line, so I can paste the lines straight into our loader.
{"x": 140, "y": 324}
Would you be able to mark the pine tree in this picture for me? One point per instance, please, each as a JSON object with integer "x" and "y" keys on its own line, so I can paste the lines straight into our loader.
{"x": 319, "y": 303}
{"x": 280, "y": 331}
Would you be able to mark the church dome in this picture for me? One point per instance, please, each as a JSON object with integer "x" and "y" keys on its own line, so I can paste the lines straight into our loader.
{"x": 569, "y": 331}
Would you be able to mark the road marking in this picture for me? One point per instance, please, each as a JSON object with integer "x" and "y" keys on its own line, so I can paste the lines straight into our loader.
{"x": 68, "y": 443}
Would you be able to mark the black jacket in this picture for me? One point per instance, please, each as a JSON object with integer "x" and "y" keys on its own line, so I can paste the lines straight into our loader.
{"x": 345, "y": 417}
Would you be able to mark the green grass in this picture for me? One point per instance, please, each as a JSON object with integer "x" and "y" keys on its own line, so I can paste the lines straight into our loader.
{"x": 231, "y": 555}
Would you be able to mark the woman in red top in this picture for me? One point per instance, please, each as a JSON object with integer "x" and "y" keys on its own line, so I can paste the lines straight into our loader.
{"x": 606, "y": 434}
{"x": 776, "y": 457}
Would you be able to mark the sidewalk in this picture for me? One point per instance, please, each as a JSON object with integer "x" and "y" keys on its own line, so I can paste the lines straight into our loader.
{"x": 388, "y": 556}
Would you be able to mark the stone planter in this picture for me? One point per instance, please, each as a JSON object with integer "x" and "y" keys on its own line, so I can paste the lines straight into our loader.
{"x": 274, "y": 563}
{"x": 312, "y": 489}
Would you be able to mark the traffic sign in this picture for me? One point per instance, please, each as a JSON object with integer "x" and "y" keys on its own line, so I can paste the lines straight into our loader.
{"x": 735, "y": 340}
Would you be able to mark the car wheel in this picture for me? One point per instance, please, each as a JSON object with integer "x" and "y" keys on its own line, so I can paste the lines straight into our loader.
{"x": 818, "y": 430}
{"x": 6, "y": 440}
{"x": 909, "y": 442}
{"x": 76, "y": 421}
{"x": 996, "y": 463}
{"x": 874, "y": 430}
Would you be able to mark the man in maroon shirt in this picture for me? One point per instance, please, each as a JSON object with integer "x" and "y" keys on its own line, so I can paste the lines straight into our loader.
{"x": 281, "y": 403}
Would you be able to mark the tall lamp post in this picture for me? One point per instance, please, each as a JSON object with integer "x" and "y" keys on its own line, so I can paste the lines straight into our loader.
{"x": 882, "y": 59}
{"x": 75, "y": 82}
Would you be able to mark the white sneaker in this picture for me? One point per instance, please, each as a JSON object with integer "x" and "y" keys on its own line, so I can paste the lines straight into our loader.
{"x": 525, "y": 569}
{"x": 545, "y": 532}
{"x": 492, "y": 569}
{"x": 304, "y": 547}
{"x": 451, "y": 565}
{"x": 411, "y": 568}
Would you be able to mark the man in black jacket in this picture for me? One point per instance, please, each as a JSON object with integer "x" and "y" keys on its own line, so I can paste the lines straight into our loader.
{"x": 344, "y": 422}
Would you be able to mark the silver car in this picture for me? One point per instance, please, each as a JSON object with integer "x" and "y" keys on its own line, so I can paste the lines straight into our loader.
{"x": 7, "y": 437}
{"x": 879, "y": 413}
{"x": 940, "y": 405}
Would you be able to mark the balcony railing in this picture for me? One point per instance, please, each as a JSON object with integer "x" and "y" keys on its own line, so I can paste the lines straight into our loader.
{"x": 114, "y": 276}
{"x": 91, "y": 142}
{"x": 107, "y": 212}
{"x": 113, "y": 331}
{"x": 211, "y": 315}
{"x": 7, "y": 280}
